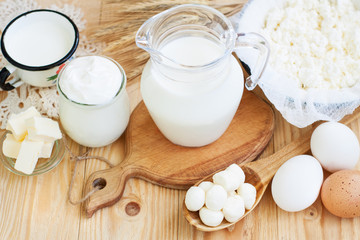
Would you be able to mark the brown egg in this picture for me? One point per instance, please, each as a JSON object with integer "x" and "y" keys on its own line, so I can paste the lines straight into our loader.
{"x": 340, "y": 193}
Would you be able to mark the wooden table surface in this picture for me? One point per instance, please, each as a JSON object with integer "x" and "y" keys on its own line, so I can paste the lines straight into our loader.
{"x": 37, "y": 207}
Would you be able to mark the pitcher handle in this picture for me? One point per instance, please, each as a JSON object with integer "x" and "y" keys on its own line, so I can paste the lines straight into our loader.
{"x": 259, "y": 43}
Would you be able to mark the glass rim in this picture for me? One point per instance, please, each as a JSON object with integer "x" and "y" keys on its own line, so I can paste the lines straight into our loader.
{"x": 118, "y": 93}
{"x": 191, "y": 7}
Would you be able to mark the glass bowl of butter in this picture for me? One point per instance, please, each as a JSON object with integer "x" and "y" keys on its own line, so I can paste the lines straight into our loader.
{"x": 43, "y": 165}
{"x": 32, "y": 144}
{"x": 313, "y": 70}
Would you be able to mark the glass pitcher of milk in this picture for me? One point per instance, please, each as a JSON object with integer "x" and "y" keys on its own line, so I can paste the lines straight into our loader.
{"x": 192, "y": 85}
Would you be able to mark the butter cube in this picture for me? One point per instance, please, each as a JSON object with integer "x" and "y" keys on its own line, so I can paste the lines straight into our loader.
{"x": 16, "y": 123}
{"x": 28, "y": 156}
{"x": 11, "y": 147}
{"x": 43, "y": 129}
{"x": 46, "y": 150}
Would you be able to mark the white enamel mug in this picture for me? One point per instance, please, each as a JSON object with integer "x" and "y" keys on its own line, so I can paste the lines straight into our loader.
{"x": 36, "y": 45}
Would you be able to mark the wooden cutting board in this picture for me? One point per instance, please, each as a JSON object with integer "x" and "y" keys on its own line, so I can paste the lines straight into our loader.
{"x": 150, "y": 156}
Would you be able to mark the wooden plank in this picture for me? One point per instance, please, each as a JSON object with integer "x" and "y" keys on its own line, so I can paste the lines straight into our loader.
{"x": 37, "y": 208}
{"x": 33, "y": 207}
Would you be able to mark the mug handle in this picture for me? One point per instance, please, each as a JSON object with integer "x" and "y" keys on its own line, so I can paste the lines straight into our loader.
{"x": 259, "y": 43}
{"x": 4, "y": 75}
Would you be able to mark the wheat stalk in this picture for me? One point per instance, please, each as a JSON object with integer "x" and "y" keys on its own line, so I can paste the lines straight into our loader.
{"x": 129, "y": 15}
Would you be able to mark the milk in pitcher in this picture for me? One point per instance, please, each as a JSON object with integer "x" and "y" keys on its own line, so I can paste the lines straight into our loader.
{"x": 193, "y": 109}
{"x": 192, "y": 84}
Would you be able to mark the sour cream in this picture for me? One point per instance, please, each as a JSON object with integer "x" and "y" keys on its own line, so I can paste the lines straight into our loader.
{"x": 94, "y": 106}
{"x": 91, "y": 80}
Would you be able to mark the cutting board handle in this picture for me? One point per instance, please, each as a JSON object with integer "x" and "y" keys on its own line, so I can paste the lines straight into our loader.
{"x": 111, "y": 183}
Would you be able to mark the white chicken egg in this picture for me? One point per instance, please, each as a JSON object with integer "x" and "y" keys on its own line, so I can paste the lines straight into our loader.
{"x": 335, "y": 146}
{"x": 296, "y": 184}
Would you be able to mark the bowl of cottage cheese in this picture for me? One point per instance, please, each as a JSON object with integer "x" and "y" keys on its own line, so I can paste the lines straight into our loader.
{"x": 313, "y": 71}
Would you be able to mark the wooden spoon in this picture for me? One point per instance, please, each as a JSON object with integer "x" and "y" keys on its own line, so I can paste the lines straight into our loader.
{"x": 259, "y": 173}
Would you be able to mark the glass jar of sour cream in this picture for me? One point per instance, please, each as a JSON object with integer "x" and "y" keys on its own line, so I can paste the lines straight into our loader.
{"x": 94, "y": 105}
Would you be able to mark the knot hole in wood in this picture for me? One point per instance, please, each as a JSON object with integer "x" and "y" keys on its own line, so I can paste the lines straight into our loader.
{"x": 99, "y": 183}
{"x": 132, "y": 209}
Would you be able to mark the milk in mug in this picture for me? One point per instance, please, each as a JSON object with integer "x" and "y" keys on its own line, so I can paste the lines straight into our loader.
{"x": 36, "y": 44}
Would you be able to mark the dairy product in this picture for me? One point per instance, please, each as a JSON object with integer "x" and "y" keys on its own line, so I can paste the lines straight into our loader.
{"x": 215, "y": 197}
{"x": 228, "y": 179}
{"x": 36, "y": 136}
{"x": 211, "y": 217}
{"x": 238, "y": 171}
{"x": 43, "y": 129}
{"x": 16, "y": 123}
{"x": 248, "y": 193}
{"x": 28, "y": 156}
{"x": 193, "y": 50}
{"x": 94, "y": 105}
{"x": 91, "y": 80}
{"x": 46, "y": 149}
{"x": 34, "y": 41}
{"x": 11, "y": 146}
{"x": 220, "y": 199}
{"x": 234, "y": 208}
{"x": 192, "y": 107}
{"x": 206, "y": 185}
{"x": 195, "y": 198}
{"x": 231, "y": 178}
{"x": 315, "y": 42}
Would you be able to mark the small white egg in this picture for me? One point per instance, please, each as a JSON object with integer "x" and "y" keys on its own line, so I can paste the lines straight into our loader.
{"x": 248, "y": 192}
{"x": 335, "y": 146}
{"x": 206, "y": 185}
{"x": 215, "y": 197}
{"x": 227, "y": 179}
{"x": 234, "y": 208}
{"x": 195, "y": 198}
{"x": 238, "y": 171}
{"x": 210, "y": 217}
{"x": 296, "y": 184}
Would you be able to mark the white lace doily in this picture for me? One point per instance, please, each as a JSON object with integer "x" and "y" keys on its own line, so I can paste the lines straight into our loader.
{"x": 44, "y": 99}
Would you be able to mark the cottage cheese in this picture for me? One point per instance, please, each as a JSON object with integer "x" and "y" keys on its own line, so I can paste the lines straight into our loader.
{"x": 316, "y": 42}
